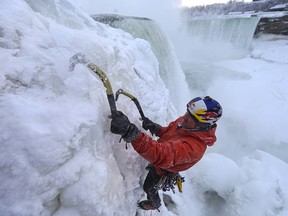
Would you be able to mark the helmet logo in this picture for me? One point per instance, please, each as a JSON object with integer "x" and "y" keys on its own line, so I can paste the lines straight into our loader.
{"x": 210, "y": 115}
{"x": 191, "y": 104}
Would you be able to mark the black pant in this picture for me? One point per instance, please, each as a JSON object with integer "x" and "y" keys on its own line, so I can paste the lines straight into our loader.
{"x": 151, "y": 180}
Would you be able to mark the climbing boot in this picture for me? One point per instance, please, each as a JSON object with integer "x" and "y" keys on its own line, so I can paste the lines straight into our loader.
{"x": 147, "y": 205}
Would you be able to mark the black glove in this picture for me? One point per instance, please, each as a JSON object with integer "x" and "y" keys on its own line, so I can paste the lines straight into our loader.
{"x": 131, "y": 134}
{"x": 147, "y": 124}
{"x": 121, "y": 125}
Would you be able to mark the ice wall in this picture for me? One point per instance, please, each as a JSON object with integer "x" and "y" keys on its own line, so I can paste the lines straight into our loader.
{"x": 58, "y": 156}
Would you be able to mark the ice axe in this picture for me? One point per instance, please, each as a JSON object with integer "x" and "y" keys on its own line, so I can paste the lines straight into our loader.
{"x": 134, "y": 99}
{"x": 80, "y": 58}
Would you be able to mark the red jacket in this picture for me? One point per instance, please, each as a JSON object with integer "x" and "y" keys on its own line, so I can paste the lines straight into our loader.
{"x": 177, "y": 149}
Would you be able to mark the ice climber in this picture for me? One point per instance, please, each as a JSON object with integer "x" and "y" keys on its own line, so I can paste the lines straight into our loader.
{"x": 180, "y": 145}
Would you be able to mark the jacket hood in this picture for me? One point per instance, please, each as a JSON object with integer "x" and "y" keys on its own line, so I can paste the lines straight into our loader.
{"x": 207, "y": 137}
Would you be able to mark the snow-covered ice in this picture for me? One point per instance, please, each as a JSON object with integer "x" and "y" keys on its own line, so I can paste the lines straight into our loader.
{"x": 58, "y": 156}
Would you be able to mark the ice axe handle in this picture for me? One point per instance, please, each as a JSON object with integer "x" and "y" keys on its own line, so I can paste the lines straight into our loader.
{"x": 134, "y": 99}
{"x": 112, "y": 105}
{"x": 139, "y": 108}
